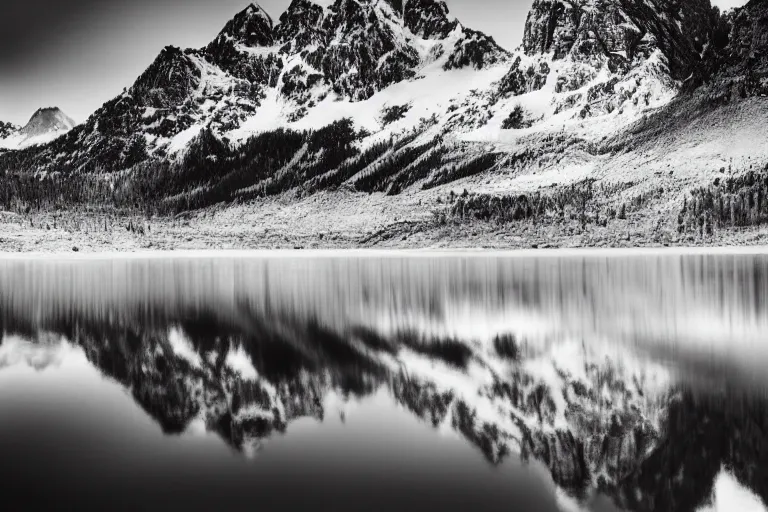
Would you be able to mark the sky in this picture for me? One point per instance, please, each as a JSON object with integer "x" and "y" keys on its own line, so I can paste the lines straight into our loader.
{"x": 77, "y": 54}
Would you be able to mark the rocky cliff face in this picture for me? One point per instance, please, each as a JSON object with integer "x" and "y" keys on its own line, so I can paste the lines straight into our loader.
{"x": 687, "y": 32}
{"x": 8, "y": 129}
{"x": 740, "y": 67}
{"x": 622, "y": 31}
{"x": 648, "y": 49}
{"x": 589, "y": 31}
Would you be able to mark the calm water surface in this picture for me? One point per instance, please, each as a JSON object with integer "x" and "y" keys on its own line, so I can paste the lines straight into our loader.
{"x": 367, "y": 382}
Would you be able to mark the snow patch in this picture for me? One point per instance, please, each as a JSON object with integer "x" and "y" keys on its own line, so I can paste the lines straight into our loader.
{"x": 183, "y": 348}
{"x": 729, "y": 495}
{"x": 21, "y": 141}
{"x": 183, "y": 138}
{"x": 239, "y": 361}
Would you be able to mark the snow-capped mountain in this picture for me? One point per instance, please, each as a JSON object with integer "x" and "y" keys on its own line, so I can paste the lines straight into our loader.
{"x": 258, "y": 75}
{"x": 399, "y": 96}
{"x": 44, "y": 126}
{"x": 323, "y": 61}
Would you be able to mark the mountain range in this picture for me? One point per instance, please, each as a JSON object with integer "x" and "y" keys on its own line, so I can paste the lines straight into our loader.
{"x": 613, "y": 116}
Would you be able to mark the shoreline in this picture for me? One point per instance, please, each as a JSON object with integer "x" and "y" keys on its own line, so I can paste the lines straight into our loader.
{"x": 294, "y": 232}
{"x": 611, "y": 252}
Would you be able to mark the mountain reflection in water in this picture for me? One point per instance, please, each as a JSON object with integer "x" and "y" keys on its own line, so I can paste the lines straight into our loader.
{"x": 460, "y": 382}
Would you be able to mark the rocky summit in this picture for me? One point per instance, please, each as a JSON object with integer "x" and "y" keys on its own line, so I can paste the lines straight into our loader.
{"x": 47, "y": 120}
{"x": 609, "y": 109}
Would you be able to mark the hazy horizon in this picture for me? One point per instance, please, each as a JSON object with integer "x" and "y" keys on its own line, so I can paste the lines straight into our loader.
{"x": 76, "y": 55}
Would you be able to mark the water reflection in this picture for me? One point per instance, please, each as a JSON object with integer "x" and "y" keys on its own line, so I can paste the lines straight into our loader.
{"x": 631, "y": 383}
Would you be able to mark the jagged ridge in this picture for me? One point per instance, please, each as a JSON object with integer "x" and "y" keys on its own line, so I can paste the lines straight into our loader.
{"x": 267, "y": 92}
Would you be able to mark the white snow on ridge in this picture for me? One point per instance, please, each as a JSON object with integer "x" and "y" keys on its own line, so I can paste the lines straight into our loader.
{"x": 729, "y": 495}
{"x": 21, "y": 141}
{"x": 431, "y": 93}
{"x": 454, "y": 93}
{"x": 239, "y": 361}
{"x": 183, "y": 348}
{"x": 646, "y": 89}
{"x": 183, "y": 138}
{"x": 324, "y": 3}
{"x": 258, "y": 51}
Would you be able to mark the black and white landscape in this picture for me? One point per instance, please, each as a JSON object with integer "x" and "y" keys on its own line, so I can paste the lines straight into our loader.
{"x": 209, "y": 301}
{"x": 358, "y": 123}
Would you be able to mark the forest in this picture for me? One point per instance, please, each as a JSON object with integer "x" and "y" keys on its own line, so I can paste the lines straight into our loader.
{"x": 213, "y": 171}
{"x": 728, "y": 202}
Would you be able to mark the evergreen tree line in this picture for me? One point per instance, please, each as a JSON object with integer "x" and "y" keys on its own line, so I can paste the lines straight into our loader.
{"x": 213, "y": 171}
{"x": 587, "y": 202}
{"x": 348, "y": 168}
{"x": 737, "y": 201}
{"x": 23, "y": 193}
{"x": 472, "y": 166}
{"x": 574, "y": 201}
{"x": 380, "y": 175}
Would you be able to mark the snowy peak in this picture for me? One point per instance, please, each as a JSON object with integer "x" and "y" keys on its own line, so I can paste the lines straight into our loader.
{"x": 251, "y": 27}
{"x": 429, "y": 19}
{"x": 259, "y": 73}
{"x": 301, "y": 25}
{"x": 47, "y": 120}
{"x": 44, "y": 126}
{"x": 363, "y": 46}
{"x": 365, "y": 49}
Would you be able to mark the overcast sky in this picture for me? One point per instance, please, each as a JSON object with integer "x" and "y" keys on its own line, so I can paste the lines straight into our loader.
{"x": 77, "y": 54}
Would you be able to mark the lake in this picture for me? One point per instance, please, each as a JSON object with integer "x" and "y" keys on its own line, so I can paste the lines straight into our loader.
{"x": 615, "y": 381}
